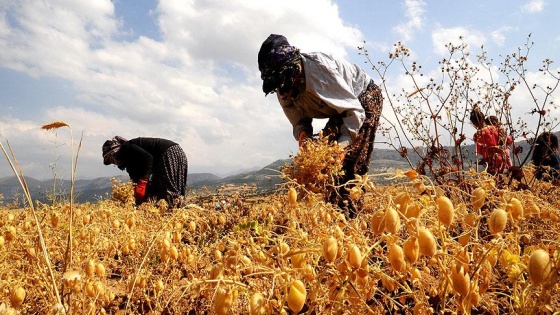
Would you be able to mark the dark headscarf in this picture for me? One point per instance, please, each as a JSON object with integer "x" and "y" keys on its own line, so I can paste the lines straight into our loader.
{"x": 111, "y": 148}
{"x": 277, "y": 63}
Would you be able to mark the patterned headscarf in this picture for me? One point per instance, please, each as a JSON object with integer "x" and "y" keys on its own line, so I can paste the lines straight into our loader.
{"x": 277, "y": 60}
{"x": 111, "y": 148}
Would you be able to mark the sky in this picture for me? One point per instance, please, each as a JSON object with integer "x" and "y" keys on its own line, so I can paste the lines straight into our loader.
{"x": 186, "y": 70}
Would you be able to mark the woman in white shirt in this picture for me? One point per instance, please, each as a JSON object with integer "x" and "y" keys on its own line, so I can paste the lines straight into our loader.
{"x": 318, "y": 85}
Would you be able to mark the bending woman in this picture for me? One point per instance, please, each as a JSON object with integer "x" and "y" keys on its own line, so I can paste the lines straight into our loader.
{"x": 158, "y": 167}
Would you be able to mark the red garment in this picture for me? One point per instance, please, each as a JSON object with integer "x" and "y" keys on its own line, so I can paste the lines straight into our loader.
{"x": 488, "y": 146}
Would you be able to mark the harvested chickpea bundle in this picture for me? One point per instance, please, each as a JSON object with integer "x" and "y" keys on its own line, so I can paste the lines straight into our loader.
{"x": 122, "y": 192}
{"x": 316, "y": 165}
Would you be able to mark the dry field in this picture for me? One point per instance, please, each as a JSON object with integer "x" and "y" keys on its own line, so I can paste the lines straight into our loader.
{"x": 414, "y": 248}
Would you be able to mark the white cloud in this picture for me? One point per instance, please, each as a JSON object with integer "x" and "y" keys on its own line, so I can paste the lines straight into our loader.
{"x": 415, "y": 14}
{"x": 498, "y": 36}
{"x": 533, "y": 6}
{"x": 199, "y": 85}
{"x": 456, "y": 35}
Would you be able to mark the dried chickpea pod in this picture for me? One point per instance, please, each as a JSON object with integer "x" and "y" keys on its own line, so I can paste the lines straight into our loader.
{"x": 173, "y": 252}
{"x": 90, "y": 268}
{"x": 402, "y": 200}
{"x": 473, "y": 297}
{"x": 338, "y": 233}
{"x": 419, "y": 186}
{"x": 296, "y": 296}
{"x": 10, "y": 234}
{"x": 478, "y": 198}
{"x": 426, "y": 242}
{"x": 17, "y": 296}
{"x": 330, "y": 249}
{"x": 492, "y": 257}
{"x": 116, "y": 223}
{"x": 98, "y": 288}
{"x": 298, "y": 260}
{"x": 415, "y": 273}
{"x": 396, "y": 257}
{"x": 363, "y": 271}
{"x": 388, "y": 283}
{"x": 461, "y": 280}
{"x": 216, "y": 271}
{"x": 159, "y": 286}
{"x": 497, "y": 221}
{"x": 413, "y": 210}
{"x": 166, "y": 244}
{"x": 464, "y": 238}
{"x": 445, "y": 210}
{"x": 531, "y": 208}
{"x": 55, "y": 219}
{"x": 540, "y": 267}
{"x": 515, "y": 208}
{"x": 100, "y": 270}
{"x": 223, "y": 301}
{"x": 392, "y": 221}
{"x": 354, "y": 256}
{"x": 469, "y": 220}
{"x": 130, "y": 221}
{"x": 356, "y": 193}
{"x": 292, "y": 196}
{"x": 411, "y": 174}
{"x": 283, "y": 248}
{"x": 217, "y": 255}
{"x": 411, "y": 249}
{"x": 378, "y": 222}
{"x": 192, "y": 226}
{"x": 257, "y": 304}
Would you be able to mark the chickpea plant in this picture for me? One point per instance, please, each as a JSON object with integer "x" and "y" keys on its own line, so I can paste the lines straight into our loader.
{"x": 433, "y": 239}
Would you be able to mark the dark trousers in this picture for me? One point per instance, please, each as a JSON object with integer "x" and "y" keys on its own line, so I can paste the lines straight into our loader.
{"x": 358, "y": 153}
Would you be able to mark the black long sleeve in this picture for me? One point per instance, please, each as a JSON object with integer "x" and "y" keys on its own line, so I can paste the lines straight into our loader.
{"x": 139, "y": 155}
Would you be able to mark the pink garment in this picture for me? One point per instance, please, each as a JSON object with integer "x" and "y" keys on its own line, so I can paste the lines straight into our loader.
{"x": 487, "y": 142}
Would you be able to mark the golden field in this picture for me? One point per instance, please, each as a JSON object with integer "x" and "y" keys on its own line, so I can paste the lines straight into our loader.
{"x": 415, "y": 248}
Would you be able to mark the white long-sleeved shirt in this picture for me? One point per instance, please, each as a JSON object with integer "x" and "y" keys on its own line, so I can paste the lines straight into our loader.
{"x": 332, "y": 87}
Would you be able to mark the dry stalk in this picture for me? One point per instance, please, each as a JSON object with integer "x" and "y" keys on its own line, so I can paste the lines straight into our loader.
{"x": 21, "y": 179}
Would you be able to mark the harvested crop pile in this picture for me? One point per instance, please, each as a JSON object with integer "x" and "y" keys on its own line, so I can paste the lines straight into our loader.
{"x": 415, "y": 248}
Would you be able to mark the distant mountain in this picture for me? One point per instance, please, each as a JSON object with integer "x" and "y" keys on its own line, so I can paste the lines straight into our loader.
{"x": 264, "y": 179}
{"x": 84, "y": 190}
{"x": 197, "y": 179}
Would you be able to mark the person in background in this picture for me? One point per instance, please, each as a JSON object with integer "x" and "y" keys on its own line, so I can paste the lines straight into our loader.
{"x": 545, "y": 157}
{"x": 487, "y": 141}
{"x": 318, "y": 85}
{"x": 157, "y": 167}
{"x": 504, "y": 140}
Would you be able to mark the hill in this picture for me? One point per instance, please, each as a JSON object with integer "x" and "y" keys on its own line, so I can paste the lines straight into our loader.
{"x": 264, "y": 179}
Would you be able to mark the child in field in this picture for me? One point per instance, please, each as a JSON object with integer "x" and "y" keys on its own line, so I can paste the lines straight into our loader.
{"x": 487, "y": 141}
{"x": 157, "y": 167}
{"x": 545, "y": 157}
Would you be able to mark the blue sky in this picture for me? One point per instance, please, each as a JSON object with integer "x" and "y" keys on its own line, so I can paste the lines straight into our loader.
{"x": 187, "y": 70}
